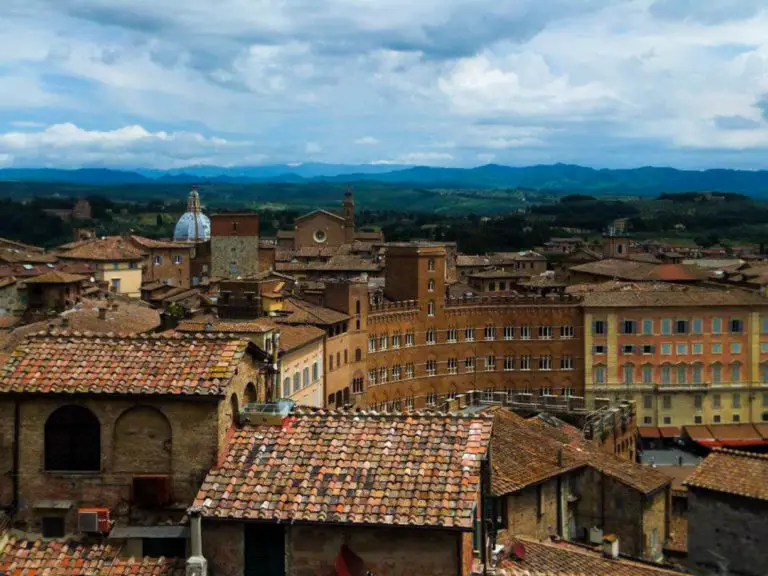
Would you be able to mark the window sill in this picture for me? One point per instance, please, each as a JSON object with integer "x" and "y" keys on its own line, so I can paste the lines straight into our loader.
{"x": 73, "y": 473}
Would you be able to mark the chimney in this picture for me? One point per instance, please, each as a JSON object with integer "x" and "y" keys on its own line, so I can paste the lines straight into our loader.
{"x": 115, "y": 306}
{"x": 611, "y": 546}
{"x": 197, "y": 565}
{"x": 64, "y": 322}
{"x": 560, "y": 457}
{"x": 102, "y": 313}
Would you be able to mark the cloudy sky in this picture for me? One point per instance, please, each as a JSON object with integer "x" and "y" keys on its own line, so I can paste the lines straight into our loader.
{"x": 168, "y": 83}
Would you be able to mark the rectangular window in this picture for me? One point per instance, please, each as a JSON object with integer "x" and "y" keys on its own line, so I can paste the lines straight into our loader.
{"x": 598, "y": 374}
{"x": 525, "y": 332}
{"x": 682, "y": 374}
{"x": 736, "y": 326}
{"x": 371, "y": 377}
{"x": 431, "y": 367}
{"x": 490, "y": 363}
{"x": 396, "y": 373}
{"x": 177, "y": 259}
{"x": 567, "y": 332}
{"x": 666, "y": 402}
{"x": 666, "y": 326}
{"x": 525, "y": 362}
{"x": 509, "y": 332}
{"x": 629, "y": 371}
{"x": 716, "y": 374}
{"x": 330, "y": 362}
{"x": 763, "y": 347}
{"x": 566, "y": 363}
{"x": 469, "y": 364}
{"x": 666, "y": 349}
{"x": 697, "y": 420}
{"x": 383, "y": 342}
{"x": 696, "y": 371}
{"x": 469, "y": 334}
{"x": 627, "y": 349}
{"x": 545, "y": 332}
{"x": 509, "y": 363}
{"x": 383, "y": 372}
{"x": 666, "y": 374}
{"x": 736, "y": 418}
{"x": 697, "y": 348}
{"x": 737, "y": 400}
{"x": 629, "y": 327}
{"x": 647, "y": 419}
{"x": 453, "y": 335}
{"x": 599, "y": 327}
{"x": 158, "y": 260}
{"x": 735, "y": 347}
{"x": 717, "y": 325}
{"x": 697, "y": 326}
{"x": 716, "y": 418}
{"x": 648, "y": 402}
{"x": 647, "y": 327}
{"x": 681, "y": 349}
{"x": 372, "y": 344}
{"x": 409, "y": 370}
{"x": 430, "y": 336}
{"x": 647, "y": 349}
{"x": 452, "y": 366}
{"x": 716, "y": 401}
{"x": 599, "y": 349}
{"x": 681, "y": 327}
{"x": 764, "y": 325}
{"x": 545, "y": 363}
{"x": 490, "y": 333}
{"x": 395, "y": 341}
{"x": 735, "y": 373}
{"x": 667, "y": 422}
{"x": 717, "y": 348}
{"x": 765, "y": 399}
{"x": 647, "y": 374}
{"x": 410, "y": 338}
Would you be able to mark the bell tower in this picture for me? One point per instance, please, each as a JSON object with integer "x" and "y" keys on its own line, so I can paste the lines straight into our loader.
{"x": 349, "y": 216}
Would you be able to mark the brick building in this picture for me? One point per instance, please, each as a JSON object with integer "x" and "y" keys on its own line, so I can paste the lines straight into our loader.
{"x": 114, "y": 260}
{"x": 126, "y": 423}
{"x": 727, "y": 511}
{"x": 234, "y": 245}
{"x": 166, "y": 261}
{"x": 315, "y": 491}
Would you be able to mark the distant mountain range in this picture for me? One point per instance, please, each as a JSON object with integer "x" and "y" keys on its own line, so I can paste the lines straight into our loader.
{"x": 557, "y": 177}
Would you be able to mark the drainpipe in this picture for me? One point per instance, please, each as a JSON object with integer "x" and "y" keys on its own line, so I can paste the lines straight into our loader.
{"x": 485, "y": 486}
{"x": 275, "y": 392}
{"x": 197, "y": 565}
{"x": 16, "y": 452}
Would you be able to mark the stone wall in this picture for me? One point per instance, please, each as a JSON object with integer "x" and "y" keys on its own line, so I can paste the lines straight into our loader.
{"x": 224, "y": 548}
{"x": 233, "y": 256}
{"x": 532, "y": 512}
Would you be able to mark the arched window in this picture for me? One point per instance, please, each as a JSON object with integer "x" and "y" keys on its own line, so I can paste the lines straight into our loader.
{"x": 346, "y": 395}
{"x": 286, "y": 387}
{"x": 339, "y": 399}
{"x": 234, "y": 408}
{"x": 697, "y": 371}
{"x": 764, "y": 372}
{"x": 736, "y": 372}
{"x": 431, "y": 285}
{"x": 306, "y": 376}
{"x": 431, "y": 308}
{"x": 358, "y": 355}
{"x": 296, "y": 382}
{"x": 682, "y": 374}
{"x": 73, "y": 440}
{"x": 251, "y": 396}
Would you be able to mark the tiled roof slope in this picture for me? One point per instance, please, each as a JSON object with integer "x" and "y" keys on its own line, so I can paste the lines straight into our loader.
{"x": 293, "y": 337}
{"x": 109, "y": 249}
{"x": 673, "y": 298}
{"x": 56, "y": 277}
{"x": 414, "y": 469}
{"x": 69, "y": 363}
{"x": 521, "y": 455}
{"x": 58, "y": 558}
{"x": 732, "y": 472}
{"x": 257, "y": 326}
{"x": 642, "y": 478}
{"x": 303, "y": 312}
{"x": 563, "y": 559}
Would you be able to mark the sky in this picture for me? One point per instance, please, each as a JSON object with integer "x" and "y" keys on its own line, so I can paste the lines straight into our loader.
{"x": 172, "y": 83}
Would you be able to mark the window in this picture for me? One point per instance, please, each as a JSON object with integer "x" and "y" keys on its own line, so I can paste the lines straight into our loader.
{"x": 666, "y": 349}
{"x": 666, "y": 374}
{"x": 681, "y": 327}
{"x": 357, "y": 306}
{"x": 286, "y": 387}
{"x": 629, "y": 371}
{"x": 469, "y": 364}
{"x": 566, "y": 363}
{"x": 736, "y": 400}
{"x": 72, "y": 440}
{"x": 736, "y": 326}
{"x": 490, "y": 332}
{"x": 383, "y": 342}
{"x": 509, "y": 363}
{"x": 490, "y": 363}
{"x": 469, "y": 334}
{"x": 431, "y": 265}
{"x": 338, "y": 359}
{"x": 383, "y": 375}
{"x": 545, "y": 362}
{"x": 697, "y": 372}
{"x": 697, "y": 348}
{"x": 453, "y": 335}
{"x": 492, "y": 287}
{"x": 177, "y": 259}
{"x": 717, "y": 325}
{"x": 525, "y": 332}
{"x": 716, "y": 418}
{"x": 357, "y": 385}
{"x": 430, "y": 336}
{"x": 115, "y": 284}
{"x": 717, "y": 348}
{"x": 647, "y": 349}
{"x": 735, "y": 372}
{"x": 647, "y": 326}
{"x": 666, "y": 326}
{"x": 316, "y": 369}
{"x": 682, "y": 374}
{"x": 131, "y": 265}
{"x": 409, "y": 403}
{"x": 330, "y": 362}
{"x": 735, "y": 347}
{"x": 667, "y": 421}
{"x": 430, "y": 285}
{"x": 716, "y": 401}
{"x": 545, "y": 332}
{"x": 763, "y": 347}
{"x": 525, "y": 362}
{"x": 158, "y": 260}
{"x": 395, "y": 341}
{"x": 396, "y": 372}
{"x": 627, "y": 349}
{"x": 716, "y": 373}
{"x": 371, "y": 377}
{"x": 599, "y": 349}
{"x": 648, "y": 402}
{"x": 409, "y": 339}
{"x": 697, "y": 326}
{"x": 296, "y": 382}
{"x": 629, "y": 327}
{"x": 409, "y": 370}
{"x": 598, "y": 374}
{"x": 765, "y": 399}
{"x": 372, "y": 344}
{"x": 736, "y": 418}
{"x": 53, "y": 527}
{"x": 666, "y": 402}
{"x": 599, "y": 327}
{"x": 647, "y": 419}
{"x": 764, "y": 325}
{"x": 431, "y": 308}
{"x": 509, "y": 332}
{"x": 452, "y": 366}
{"x": 358, "y": 355}
{"x": 681, "y": 349}
{"x": 697, "y": 420}
{"x": 305, "y": 377}
{"x": 431, "y": 398}
{"x": 566, "y": 332}
{"x": 647, "y": 374}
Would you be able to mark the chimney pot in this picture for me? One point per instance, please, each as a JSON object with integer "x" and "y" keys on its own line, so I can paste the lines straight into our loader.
{"x": 611, "y": 546}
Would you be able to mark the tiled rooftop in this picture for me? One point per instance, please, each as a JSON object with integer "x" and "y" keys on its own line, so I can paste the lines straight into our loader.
{"x": 732, "y": 472}
{"x": 257, "y": 326}
{"x": 292, "y": 337}
{"x": 151, "y": 243}
{"x": 563, "y": 559}
{"x": 303, "y": 312}
{"x": 58, "y": 558}
{"x": 414, "y": 469}
{"x": 69, "y": 363}
{"x": 109, "y": 249}
{"x": 662, "y": 297}
{"x": 56, "y": 277}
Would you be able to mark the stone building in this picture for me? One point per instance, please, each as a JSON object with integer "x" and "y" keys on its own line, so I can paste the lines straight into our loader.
{"x": 114, "y": 260}
{"x": 55, "y": 291}
{"x": 728, "y": 514}
{"x": 393, "y": 494}
{"x": 130, "y": 424}
{"x": 234, "y": 245}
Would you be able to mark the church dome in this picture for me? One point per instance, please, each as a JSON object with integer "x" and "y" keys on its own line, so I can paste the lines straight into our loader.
{"x": 193, "y": 225}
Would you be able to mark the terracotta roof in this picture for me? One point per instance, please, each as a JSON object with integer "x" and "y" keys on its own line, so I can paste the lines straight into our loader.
{"x": 109, "y": 249}
{"x": 616, "y": 268}
{"x": 341, "y": 262}
{"x": 564, "y": 559}
{"x": 303, "y": 312}
{"x": 233, "y": 327}
{"x": 641, "y": 478}
{"x": 69, "y": 363}
{"x": 7, "y": 281}
{"x": 499, "y": 258}
{"x": 292, "y": 337}
{"x": 678, "y": 474}
{"x": 151, "y": 243}
{"x": 376, "y": 235}
{"x": 8, "y": 321}
{"x": 686, "y": 296}
{"x": 500, "y": 274}
{"x": 732, "y": 472}
{"x": 320, "y": 211}
{"x": 472, "y": 260}
{"x": 56, "y": 277}
{"x": 7, "y": 243}
{"x": 59, "y": 558}
{"x": 20, "y": 255}
{"x": 352, "y": 468}
{"x": 522, "y": 456}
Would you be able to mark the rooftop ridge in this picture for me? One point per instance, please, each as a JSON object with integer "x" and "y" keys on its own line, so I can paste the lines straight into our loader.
{"x": 740, "y": 453}
{"x": 307, "y": 411}
{"x": 130, "y": 336}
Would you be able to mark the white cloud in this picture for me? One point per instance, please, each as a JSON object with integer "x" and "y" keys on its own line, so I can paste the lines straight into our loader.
{"x": 419, "y": 159}
{"x": 367, "y": 140}
{"x": 313, "y": 148}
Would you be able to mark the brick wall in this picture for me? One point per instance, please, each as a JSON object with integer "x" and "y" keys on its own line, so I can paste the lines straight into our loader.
{"x": 655, "y": 520}
{"x": 307, "y": 227}
{"x": 532, "y": 512}
{"x": 167, "y": 270}
{"x": 224, "y": 548}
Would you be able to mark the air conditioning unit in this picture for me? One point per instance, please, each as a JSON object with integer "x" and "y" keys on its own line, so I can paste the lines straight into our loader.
{"x": 595, "y": 535}
{"x": 93, "y": 520}
{"x": 151, "y": 490}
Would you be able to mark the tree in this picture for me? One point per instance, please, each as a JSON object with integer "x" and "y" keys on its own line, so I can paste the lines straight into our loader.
{"x": 159, "y": 220}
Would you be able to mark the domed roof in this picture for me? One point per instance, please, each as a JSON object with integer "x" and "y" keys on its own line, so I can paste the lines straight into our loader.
{"x": 193, "y": 225}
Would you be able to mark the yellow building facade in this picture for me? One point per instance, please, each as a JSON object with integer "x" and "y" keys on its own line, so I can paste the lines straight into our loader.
{"x": 688, "y": 357}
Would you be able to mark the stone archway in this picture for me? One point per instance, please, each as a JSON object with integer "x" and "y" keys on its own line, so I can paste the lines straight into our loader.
{"x": 142, "y": 442}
